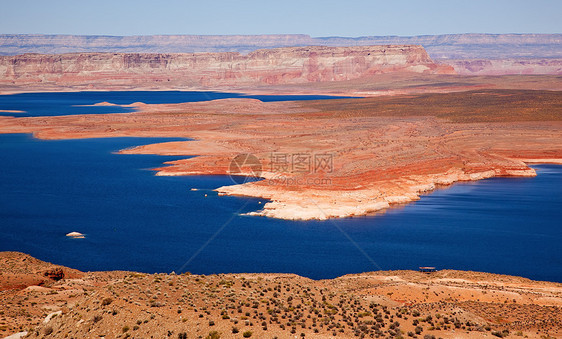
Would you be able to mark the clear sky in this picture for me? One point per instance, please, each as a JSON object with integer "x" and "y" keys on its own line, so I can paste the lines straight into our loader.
{"x": 315, "y": 17}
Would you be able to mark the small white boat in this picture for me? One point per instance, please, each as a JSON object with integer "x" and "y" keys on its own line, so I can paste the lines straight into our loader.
{"x": 76, "y": 235}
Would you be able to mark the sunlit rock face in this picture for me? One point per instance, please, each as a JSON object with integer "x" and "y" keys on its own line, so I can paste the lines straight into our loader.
{"x": 270, "y": 66}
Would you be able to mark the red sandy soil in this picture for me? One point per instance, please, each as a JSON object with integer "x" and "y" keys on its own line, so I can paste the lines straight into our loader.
{"x": 447, "y": 304}
{"x": 384, "y": 150}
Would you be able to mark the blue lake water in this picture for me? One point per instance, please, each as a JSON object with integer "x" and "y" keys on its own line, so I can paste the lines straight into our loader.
{"x": 66, "y": 103}
{"x": 134, "y": 220}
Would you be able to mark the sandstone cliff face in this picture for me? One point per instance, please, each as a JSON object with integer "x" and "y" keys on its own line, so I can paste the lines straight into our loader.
{"x": 506, "y": 66}
{"x": 273, "y": 66}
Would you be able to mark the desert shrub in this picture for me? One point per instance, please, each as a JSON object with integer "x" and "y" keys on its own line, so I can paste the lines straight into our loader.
{"x": 213, "y": 335}
{"x": 125, "y": 329}
{"x": 106, "y": 301}
{"x": 211, "y": 323}
{"x": 247, "y": 334}
{"x": 48, "y": 330}
{"x": 418, "y": 330}
{"x": 501, "y": 334}
{"x": 235, "y": 330}
{"x": 97, "y": 318}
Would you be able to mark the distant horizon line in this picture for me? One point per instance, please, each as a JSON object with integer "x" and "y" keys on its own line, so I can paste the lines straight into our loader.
{"x": 270, "y": 34}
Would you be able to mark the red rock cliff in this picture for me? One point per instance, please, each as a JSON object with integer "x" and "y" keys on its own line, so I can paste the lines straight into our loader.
{"x": 506, "y": 66}
{"x": 267, "y": 66}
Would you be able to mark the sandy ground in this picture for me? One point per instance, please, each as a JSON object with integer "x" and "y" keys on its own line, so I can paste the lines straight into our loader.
{"x": 395, "y": 83}
{"x": 447, "y": 304}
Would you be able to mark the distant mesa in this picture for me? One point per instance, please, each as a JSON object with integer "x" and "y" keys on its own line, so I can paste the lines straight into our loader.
{"x": 195, "y": 62}
{"x": 290, "y": 65}
{"x": 446, "y": 46}
{"x": 76, "y": 235}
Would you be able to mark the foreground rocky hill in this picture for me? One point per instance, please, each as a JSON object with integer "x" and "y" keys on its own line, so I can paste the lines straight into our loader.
{"x": 272, "y": 66}
{"x": 448, "y": 304}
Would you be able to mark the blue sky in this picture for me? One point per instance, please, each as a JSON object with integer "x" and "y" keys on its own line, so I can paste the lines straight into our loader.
{"x": 316, "y": 18}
